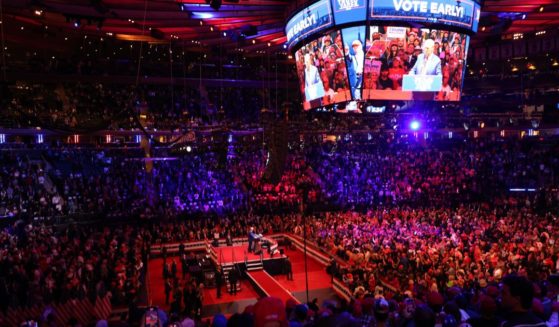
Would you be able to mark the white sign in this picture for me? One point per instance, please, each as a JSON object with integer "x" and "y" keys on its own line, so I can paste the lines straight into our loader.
{"x": 348, "y": 4}
{"x": 396, "y": 32}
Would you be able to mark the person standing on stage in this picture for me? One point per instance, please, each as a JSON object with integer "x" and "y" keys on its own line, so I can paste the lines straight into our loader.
{"x": 233, "y": 278}
{"x": 288, "y": 268}
{"x": 218, "y": 281}
{"x": 168, "y": 289}
{"x": 251, "y": 237}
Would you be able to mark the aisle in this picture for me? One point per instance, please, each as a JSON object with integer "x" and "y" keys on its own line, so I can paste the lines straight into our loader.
{"x": 270, "y": 286}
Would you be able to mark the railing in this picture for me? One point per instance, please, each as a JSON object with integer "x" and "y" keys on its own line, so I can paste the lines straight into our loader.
{"x": 210, "y": 252}
{"x": 221, "y": 258}
{"x": 341, "y": 289}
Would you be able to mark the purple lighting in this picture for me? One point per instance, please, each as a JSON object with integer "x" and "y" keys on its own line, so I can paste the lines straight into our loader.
{"x": 202, "y": 15}
{"x": 415, "y": 125}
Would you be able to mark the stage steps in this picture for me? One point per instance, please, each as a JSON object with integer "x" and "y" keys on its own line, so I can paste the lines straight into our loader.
{"x": 254, "y": 265}
{"x": 226, "y": 268}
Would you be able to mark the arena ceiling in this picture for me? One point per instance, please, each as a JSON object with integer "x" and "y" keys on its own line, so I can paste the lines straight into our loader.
{"x": 251, "y": 25}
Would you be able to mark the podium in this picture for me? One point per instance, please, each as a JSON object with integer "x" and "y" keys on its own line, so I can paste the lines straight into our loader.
{"x": 422, "y": 83}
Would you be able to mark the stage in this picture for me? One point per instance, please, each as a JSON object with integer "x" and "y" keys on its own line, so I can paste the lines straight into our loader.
{"x": 234, "y": 256}
{"x": 228, "y": 255}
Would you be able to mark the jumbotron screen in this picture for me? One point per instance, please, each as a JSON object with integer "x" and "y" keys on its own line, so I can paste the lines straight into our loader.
{"x": 382, "y": 63}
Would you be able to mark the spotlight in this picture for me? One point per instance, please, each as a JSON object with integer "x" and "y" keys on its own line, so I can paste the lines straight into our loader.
{"x": 77, "y": 23}
{"x": 535, "y": 123}
{"x": 414, "y": 125}
{"x": 188, "y": 148}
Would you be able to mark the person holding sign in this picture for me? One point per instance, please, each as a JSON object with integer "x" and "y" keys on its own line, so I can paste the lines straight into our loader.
{"x": 427, "y": 63}
{"x": 355, "y": 60}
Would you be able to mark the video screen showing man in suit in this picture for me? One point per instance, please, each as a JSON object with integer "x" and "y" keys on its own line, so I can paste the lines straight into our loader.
{"x": 407, "y": 63}
{"x": 427, "y": 63}
{"x": 320, "y": 60}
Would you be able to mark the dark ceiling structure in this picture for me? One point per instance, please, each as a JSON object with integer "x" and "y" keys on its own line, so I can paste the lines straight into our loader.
{"x": 250, "y": 25}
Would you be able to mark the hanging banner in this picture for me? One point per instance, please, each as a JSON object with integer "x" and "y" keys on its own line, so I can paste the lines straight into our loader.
{"x": 314, "y": 18}
{"x": 451, "y": 12}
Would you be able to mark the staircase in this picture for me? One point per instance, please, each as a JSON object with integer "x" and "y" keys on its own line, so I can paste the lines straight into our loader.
{"x": 226, "y": 268}
{"x": 255, "y": 265}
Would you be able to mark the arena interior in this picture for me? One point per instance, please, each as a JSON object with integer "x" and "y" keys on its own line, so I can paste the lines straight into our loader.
{"x": 387, "y": 163}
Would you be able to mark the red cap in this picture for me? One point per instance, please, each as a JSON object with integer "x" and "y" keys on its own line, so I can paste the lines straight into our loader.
{"x": 268, "y": 310}
{"x": 492, "y": 291}
{"x": 487, "y": 306}
{"x": 368, "y": 304}
{"x": 435, "y": 298}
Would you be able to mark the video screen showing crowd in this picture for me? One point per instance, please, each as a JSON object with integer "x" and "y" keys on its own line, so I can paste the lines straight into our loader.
{"x": 383, "y": 63}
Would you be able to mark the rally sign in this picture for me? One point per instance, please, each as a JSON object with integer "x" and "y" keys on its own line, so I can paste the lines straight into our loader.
{"x": 450, "y": 12}
{"x": 314, "y": 18}
{"x": 395, "y": 32}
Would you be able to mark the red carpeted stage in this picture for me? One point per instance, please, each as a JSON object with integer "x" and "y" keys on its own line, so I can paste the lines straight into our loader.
{"x": 263, "y": 269}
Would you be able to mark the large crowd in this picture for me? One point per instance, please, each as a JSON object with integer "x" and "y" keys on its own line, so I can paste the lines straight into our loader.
{"x": 434, "y": 222}
{"x": 54, "y": 181}
{"x": 86, "y": 106}
{"x": 440, "y": 174}
{"x": 44, "y": 265}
